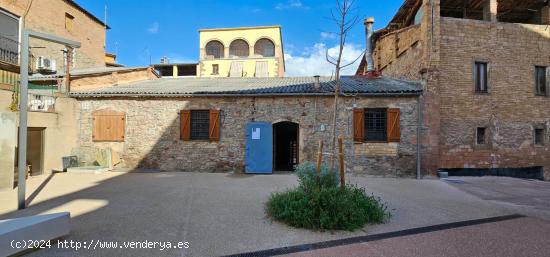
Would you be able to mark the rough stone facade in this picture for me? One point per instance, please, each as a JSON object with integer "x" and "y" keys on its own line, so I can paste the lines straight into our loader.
{"x": 49, "y": 17}
{"x": 153, "y": 131}
{"x": 452, "y": 110}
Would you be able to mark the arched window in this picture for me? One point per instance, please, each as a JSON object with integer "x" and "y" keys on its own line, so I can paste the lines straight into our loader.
{"x": 214, "y": 49}
{"x": 239, "y": 48}
{"x": 265, "y": 48}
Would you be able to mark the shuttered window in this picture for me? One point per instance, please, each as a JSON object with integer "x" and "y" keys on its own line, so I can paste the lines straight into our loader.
{"x": 200, "y": 125}
{"x": 108, "y": 126}
{"x": 376, "y": 125}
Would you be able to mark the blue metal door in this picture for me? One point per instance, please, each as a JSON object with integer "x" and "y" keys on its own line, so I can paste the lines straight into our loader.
{"x": 259, "y": 148}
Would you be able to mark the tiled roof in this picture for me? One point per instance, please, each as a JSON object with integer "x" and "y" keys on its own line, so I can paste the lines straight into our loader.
{"x": 174, "y": 87}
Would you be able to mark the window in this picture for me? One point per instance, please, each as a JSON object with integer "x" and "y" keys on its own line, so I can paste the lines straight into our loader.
{"x": 69, "y": 22}
{"x": 108, "y": 126}
{"x": 480, "y": 77}
{"x": 200, "y": 121}
{"x": 200, "y": 125}
{"x": 541, "y": 80}
{"x": 215, "y": 69}
{"x": 9, "y": 38}
{"x": 239, "y": 48}
{"x": 480, "y": 136}
{"x": 214, "y": 49}
{"x": 376, "y": 125}
{"x": 539, "y": 136}
{"x": 265, "y": 48}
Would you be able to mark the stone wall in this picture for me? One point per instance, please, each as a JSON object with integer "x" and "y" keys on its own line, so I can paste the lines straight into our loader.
{"x": 49, "y": 17}
{"x": 153, "y": 131}
{"x": 510, "y": 110}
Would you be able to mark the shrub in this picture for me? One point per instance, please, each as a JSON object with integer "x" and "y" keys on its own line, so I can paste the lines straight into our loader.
{"x": 320, "y": 203}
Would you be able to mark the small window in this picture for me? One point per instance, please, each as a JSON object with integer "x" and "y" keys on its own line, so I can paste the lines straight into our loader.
{"x": 200, "y": 122}
{"x": 480, "y": 77}
{"x": 375, "y": 125}
{"x": 215, "y": 69}
{"x": 69, "y": 22}
{"x": 481, "y": 136}
{"x": 539, "y": 136}
{"x": 541, "y": 80}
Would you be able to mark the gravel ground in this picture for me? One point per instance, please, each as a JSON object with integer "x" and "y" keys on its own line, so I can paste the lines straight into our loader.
{"x": 218, "y": 214}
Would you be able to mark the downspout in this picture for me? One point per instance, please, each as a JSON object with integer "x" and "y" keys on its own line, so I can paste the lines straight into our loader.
{"x": 418, "y": 126}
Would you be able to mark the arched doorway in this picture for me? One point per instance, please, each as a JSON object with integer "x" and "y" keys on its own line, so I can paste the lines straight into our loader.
{"x": 285, "y": 145}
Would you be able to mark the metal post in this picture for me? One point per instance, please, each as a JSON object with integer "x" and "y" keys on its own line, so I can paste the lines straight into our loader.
{"x": 22, "y": 144}
{"x": 24, "y": 67}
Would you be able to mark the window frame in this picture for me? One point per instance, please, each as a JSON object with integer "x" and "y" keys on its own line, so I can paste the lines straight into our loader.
{"x": 385, "y": 126}
{"x": 215, "y": 69}
{"x": 69, "y": 22}
{"x": 539, "y": 92}
{"x": 480, "y": 90}
{"x": 485, "y": 136}
{"x": 195, "y": 137}
{"x": 543, "y": 142}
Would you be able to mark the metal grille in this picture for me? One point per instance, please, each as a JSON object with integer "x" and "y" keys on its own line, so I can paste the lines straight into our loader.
{"x": 200, "y": 122}
{"x": 375, "y": 125}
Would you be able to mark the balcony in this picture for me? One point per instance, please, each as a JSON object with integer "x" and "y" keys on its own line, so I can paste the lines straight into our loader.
{"x": 41, "y": 102}
{"x": 9, "y": 51}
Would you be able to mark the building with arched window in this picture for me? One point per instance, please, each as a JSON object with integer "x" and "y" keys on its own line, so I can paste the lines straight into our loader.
{"x": 241, "y": 52}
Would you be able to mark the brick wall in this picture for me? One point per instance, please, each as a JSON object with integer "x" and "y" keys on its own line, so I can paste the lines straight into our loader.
{"x": 509, "y": 111}
{"x": 153, "y": 132}
{"x": 49, "y": 17}
{"x": 397, "y": 54}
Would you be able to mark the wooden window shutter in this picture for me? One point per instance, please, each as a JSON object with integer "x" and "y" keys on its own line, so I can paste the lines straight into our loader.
{"x": 394, "y": 125}
{"x": 214, "y": 128}
{"x": 108, "y": 126}
{"x": 185, "y": 125}
{"x": 358, "y": 125}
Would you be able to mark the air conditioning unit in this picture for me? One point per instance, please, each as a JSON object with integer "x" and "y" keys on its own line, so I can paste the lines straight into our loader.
{"x": 45, "y": 64}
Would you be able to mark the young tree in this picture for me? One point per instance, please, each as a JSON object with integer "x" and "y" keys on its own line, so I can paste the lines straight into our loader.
{"x": 344, "y": 18}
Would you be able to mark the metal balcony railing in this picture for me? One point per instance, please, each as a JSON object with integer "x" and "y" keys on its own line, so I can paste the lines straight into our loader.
{"x": 9, "y": 50}
{"x": 41, "y": 103}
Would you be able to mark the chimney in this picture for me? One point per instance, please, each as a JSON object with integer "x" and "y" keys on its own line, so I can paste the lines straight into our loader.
{"x": 370, "y": 70}
{"x": 317, "y": 83}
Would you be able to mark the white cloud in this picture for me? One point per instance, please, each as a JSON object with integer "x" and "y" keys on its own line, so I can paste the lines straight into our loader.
{"x": 313, "y": 62}
{"x": 154, "y": 28}
{"x": 328, "y": 35}
{"x": 291, "y": 4}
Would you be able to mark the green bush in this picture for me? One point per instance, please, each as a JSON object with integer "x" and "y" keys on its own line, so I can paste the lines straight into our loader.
{"x": 320, "y": 203}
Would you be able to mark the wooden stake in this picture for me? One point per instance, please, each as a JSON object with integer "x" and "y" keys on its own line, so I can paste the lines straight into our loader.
{"x": 341, "y": 155}
{"x": 319, "y": 157}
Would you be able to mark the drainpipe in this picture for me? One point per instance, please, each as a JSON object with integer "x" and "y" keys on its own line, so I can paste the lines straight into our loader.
{"x": 418, "y": 126}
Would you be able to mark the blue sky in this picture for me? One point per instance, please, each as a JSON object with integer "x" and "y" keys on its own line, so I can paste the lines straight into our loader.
{"x": 146, "y": 30}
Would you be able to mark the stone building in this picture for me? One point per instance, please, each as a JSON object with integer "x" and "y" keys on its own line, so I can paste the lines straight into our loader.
{"x": 208, "y": 124}
{"x": 484, "y": 65}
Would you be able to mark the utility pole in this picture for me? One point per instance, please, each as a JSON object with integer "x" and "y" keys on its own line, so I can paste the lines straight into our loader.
{"x": 24, "y": 88}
